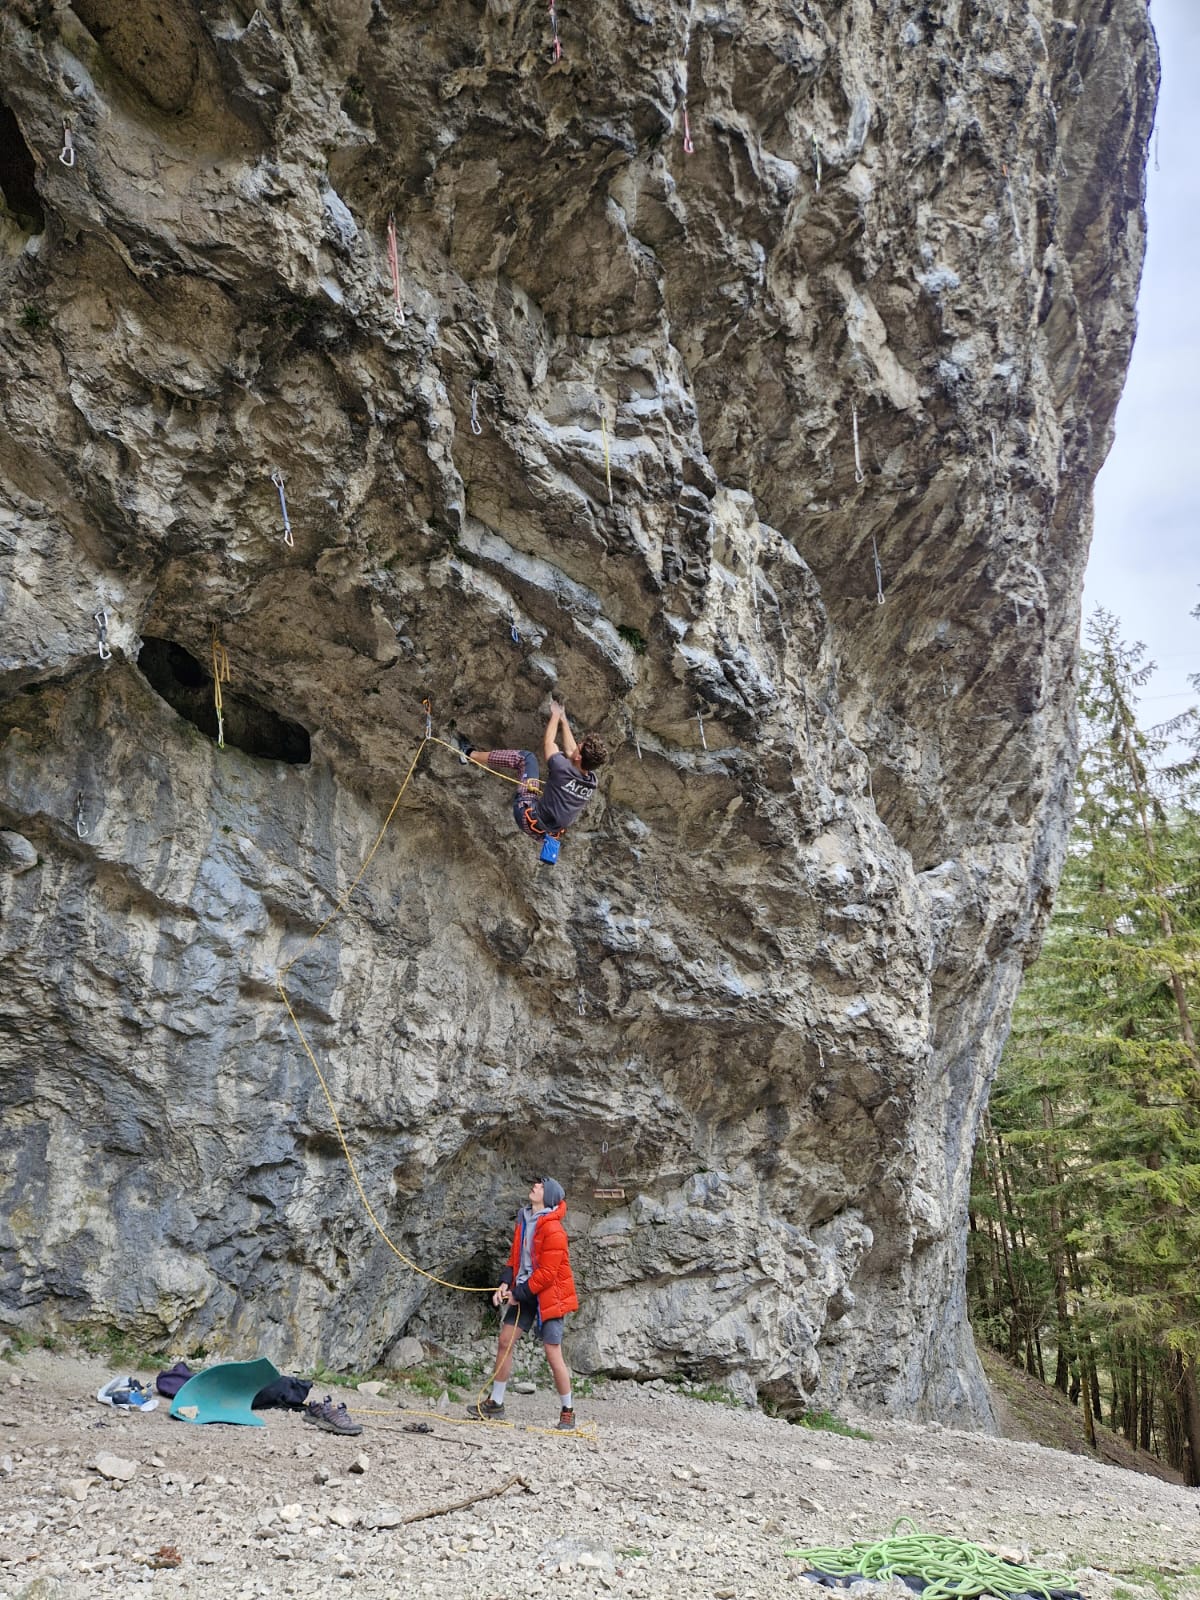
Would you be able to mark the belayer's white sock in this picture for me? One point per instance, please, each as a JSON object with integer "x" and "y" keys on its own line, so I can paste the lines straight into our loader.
{"x": 498, "y": 1389}
{"x": 565, "y": 1401}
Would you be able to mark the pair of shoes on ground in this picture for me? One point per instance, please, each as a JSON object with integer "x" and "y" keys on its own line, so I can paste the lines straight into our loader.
{"x": 335, "y": 1419}
{"x": 490, "y": 1411}
{"x": 127, "y": 1394}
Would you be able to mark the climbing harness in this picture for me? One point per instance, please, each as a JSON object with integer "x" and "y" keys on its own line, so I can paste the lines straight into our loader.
{"x": 220, "y": 664}
{"x": 1012, "y": 206}
{"x": 277, "y": 480}
{"x": 556, "y": 47}
{"x": 551, "y": 836}
{"x": 700, "y": 720}
{"x": 949, "y": 1568}
{"x": 817, "y": 161}
{"x": 67, "y": 154}
{"x": 82, "y": 829}
{"x": 859, "y": 474}
{"x": 394, "y": 266}
{"x": 615, "y": 1191}
{"x": 878, "y": 572}
{"x": 476, "y": 427}
{"x": 100, "y": 618}
{"x": 607, "y": 458}
{"x": 689, "y": 149}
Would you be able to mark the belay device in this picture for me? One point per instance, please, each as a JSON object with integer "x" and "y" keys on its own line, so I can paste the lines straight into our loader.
{"x": 549, "y": 852}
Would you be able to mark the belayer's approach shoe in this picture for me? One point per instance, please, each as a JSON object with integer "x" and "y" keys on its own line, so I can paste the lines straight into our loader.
{"x": 334, "y": 1419}
{"x": 486, "y": 1411}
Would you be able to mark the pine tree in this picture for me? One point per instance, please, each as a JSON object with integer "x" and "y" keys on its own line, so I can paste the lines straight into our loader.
{"x": 1098, "y": 1098}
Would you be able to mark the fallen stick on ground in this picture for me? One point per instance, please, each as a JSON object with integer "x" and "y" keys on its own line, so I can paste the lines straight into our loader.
{"x": 472, "y": 1499}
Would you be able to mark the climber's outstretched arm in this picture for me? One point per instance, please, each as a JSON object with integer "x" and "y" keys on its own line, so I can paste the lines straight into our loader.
{"x": 568, "y": 738}
{"x": 550, "y": 737}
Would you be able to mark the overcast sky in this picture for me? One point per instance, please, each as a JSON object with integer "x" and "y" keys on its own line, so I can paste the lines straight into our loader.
{"x": 1145, "y": 561}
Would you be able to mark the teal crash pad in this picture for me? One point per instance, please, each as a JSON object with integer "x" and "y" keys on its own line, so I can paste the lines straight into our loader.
{"x": 223, "y": 1393}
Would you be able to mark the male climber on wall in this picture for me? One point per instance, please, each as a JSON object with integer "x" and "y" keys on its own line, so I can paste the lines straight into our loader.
{"x": 547, "y": 811}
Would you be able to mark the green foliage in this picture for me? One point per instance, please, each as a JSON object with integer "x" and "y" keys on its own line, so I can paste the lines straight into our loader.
{"x": 1169, "y": 1582}
{"x": 323, "y": 1375}
{"x": 635, "y": 639}
{"x": 34, "y": 318}
{"x": 826, "y": 1422}
{"x": 119, "y": 1348}
{"x": 1085, "y": 1214}
{"x": 444, "y": 1375}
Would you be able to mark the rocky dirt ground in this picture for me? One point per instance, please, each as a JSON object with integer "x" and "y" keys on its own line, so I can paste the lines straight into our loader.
{"x": 664, "y": 1496}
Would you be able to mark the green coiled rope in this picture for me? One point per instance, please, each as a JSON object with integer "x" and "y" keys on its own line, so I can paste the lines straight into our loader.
{"x": 949, "y": 1567}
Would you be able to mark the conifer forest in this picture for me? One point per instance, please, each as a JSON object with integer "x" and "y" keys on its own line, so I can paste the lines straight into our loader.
{"x": 1084, "y": 1244}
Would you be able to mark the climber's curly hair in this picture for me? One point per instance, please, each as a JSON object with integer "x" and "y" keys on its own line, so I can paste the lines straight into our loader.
{"x": 593, "y": 752}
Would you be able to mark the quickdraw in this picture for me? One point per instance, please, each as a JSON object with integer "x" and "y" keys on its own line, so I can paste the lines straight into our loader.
{"x": 100, "y": 618}
{"x": 220, "y": 662}
{"x": 277, "y": 480}
{"x": 67, "y": 154}
{"x": 556, "y": 47}
{"x": 1012, "y": 206}
{"x": 394, "y": 266}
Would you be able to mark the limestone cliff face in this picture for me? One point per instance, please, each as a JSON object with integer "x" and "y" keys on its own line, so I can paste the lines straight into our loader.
{"x": 849, "y": 367}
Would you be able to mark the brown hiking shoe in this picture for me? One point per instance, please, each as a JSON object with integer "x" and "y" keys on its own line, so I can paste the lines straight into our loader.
{"x": 486, "y": 1411}
{"x": 566, "y": 1421}
{"x": 336, "y": 1419}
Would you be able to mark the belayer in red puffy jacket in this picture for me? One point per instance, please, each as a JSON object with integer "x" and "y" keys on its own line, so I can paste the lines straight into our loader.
{"x": 537, "y": 1286}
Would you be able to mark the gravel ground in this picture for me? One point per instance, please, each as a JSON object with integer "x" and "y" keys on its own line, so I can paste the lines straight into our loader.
{"x": 665, "y": 1496}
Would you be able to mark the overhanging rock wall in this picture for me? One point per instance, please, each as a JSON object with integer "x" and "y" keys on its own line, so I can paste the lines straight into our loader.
{"x": 779, "y": 473}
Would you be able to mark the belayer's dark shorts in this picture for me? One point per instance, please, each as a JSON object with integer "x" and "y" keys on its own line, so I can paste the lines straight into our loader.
{"x": 549, "y": 1332}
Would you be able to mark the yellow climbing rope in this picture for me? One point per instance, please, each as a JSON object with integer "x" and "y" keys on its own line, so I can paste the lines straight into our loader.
{"x": 339, "y": 908}
{"x": 220, "y": 661}
{"x": 586, "y": 1432}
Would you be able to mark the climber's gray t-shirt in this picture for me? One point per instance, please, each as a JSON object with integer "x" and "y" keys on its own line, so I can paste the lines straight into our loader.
{"x": 565, "y": 792}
